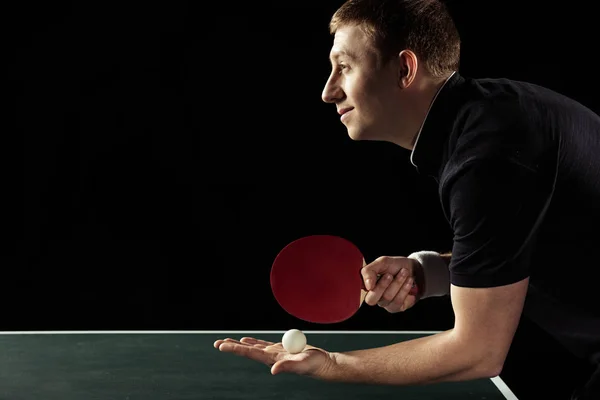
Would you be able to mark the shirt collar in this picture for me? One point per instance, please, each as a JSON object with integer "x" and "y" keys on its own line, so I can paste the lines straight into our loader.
{"x": 426, "y": 153}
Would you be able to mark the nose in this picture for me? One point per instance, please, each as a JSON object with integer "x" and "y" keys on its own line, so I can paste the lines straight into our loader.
{"x": 332, "y": 91}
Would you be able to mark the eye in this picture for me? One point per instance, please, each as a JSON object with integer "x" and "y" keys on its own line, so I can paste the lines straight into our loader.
{"x": 341, "y": 67}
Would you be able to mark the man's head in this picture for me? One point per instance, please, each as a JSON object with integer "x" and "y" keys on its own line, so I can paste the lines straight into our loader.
{"x": 388, "y": 59}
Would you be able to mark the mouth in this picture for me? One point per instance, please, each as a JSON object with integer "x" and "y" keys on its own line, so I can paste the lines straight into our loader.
{"x": 343, "y": 111}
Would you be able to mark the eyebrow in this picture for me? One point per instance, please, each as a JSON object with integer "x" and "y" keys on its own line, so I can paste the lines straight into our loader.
{"x": 344, "y": 53}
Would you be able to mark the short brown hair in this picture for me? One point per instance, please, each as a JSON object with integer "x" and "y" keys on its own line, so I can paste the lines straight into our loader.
{"x": 423, "y": 26}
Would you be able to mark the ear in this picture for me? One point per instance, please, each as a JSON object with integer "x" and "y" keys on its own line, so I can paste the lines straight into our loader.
{"x": 407, "y": 68}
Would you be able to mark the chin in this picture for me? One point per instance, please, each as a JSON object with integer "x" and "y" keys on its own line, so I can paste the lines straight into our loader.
{"x": 356, "y": 134}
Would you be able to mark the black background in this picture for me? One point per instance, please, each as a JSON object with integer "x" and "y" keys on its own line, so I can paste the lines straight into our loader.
{"x": 172, "y": 149}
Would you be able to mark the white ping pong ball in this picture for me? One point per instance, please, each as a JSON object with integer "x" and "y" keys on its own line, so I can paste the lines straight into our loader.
{"x": 293, "y": 341}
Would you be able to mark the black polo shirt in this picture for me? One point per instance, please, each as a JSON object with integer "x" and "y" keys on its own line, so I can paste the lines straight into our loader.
{"x": 518, "y": 168}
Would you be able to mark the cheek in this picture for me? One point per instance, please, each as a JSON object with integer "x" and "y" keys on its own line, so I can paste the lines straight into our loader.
{"x": 371, "y": 96}
{"x": 363, "y": 100}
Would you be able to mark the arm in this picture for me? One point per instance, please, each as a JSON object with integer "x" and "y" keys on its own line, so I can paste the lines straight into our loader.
{"x": 475, "y": 348}
{"x": 495, "y": 205}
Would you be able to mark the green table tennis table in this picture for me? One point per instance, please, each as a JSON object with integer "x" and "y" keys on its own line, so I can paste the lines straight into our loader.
{"x": 184, "y": 365}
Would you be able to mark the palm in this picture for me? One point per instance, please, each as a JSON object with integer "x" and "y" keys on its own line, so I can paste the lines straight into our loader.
{"x": 311, "y": 361}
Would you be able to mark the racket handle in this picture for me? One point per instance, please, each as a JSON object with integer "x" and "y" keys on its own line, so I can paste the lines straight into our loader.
{"x": 414, "y": 290}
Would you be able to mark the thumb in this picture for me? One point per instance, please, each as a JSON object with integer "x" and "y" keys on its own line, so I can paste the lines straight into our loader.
{"x": 372, "y": 271}
{"x": 281, "y": 366}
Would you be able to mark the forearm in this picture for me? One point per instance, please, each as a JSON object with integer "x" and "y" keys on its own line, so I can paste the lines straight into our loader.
{"x": 431, "y": 359}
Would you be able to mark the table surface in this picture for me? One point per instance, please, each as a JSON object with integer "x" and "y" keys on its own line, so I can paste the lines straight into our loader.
{"x": 184, "y": 365}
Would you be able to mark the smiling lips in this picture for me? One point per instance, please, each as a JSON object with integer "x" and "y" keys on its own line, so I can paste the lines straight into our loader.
{"x": 344, "y": 111}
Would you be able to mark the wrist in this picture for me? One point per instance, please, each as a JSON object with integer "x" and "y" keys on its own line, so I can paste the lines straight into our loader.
{"x": 348, "y": 367}
{"x": 433, "y": 269}
{"x": 331, "y": 369}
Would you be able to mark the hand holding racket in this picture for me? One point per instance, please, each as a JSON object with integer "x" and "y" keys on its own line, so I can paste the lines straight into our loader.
{"x": 319, "y": 279}
{"x": 391, "y": 282}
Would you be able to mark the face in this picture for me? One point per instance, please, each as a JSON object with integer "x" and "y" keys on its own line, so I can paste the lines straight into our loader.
{"x": 367, "y": 95}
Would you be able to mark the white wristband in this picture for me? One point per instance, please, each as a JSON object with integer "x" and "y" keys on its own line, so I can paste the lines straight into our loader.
{"x": 435, "y": 271}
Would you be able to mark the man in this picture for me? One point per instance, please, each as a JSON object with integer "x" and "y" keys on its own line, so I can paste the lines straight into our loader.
{"x": 518, "y": 168}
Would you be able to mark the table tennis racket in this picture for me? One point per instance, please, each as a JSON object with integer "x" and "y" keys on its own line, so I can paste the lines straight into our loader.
{"x": 317, "y": 279}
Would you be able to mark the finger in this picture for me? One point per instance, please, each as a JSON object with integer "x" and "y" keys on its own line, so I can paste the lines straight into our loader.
{"x": 286, "y": 365}
{"x": 374, "y": 296}
{"x": 372, "y": 271}
{"x": 217, "y": 343}
{"x": 261, "y": 344}
{"x": 410, "y": 301}
{"x": 393, "y": 289}
{"x": 278, "y": 367}
{"x": 382, "y": 265}
{"x": 254, "y": 341}
{"x": 250, "y": 352}
{"x": 277, "y": 347}
{"x": 293, "y": 365}
{"x": 257, "y": 345}
{"x": 401, "y": 301}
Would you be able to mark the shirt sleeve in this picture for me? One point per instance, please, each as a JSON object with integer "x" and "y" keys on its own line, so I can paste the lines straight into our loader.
{"x": 496, "y": 197}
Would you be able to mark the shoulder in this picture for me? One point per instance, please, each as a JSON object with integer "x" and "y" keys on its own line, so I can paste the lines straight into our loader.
{"x": 500, "y": 124}
{"x": 491, "y": 119}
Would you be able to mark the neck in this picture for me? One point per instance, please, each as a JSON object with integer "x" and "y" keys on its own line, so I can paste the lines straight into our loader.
{"x": 428, "y": 92}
